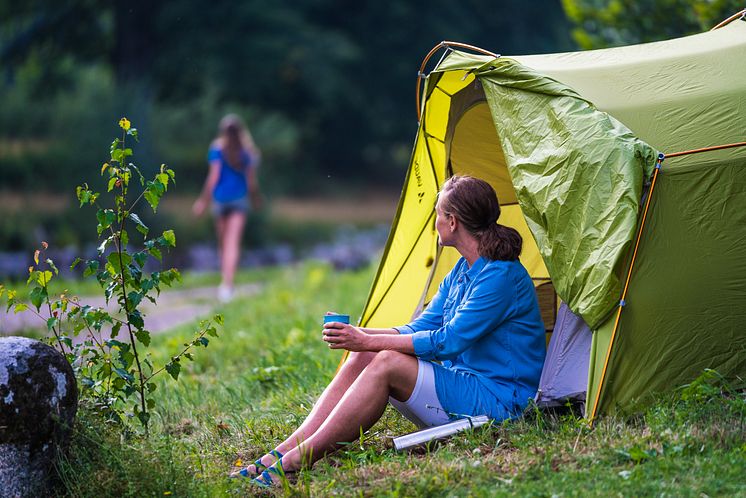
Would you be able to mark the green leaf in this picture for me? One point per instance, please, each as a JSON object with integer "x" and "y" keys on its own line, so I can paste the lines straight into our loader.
{"x": 170, "y": 237}
{"x": 101, "y": 249}
{"x": 19, "y": 307}
{"x": 43, "y": 277}
{"x": 163, "y": 178}
{"x": 52, "y": 322}
{"x": 141, "y": 258}
{"x": 204, "y": 341}
{"x": 85, "y": 195}
{"x": 127, "y": 357}
{"x": 124, "y": 237}
{"x": 91, "y": 268}
{"x": 143, "y": 336}
{"x": 112, "y": 182}
{"x": 105, "y": 218}
{"x": 143, "y": 417}
{"x": 141, "y": 227}
{"x": 116, "y": 155}
{"x": 52, "y": 266}
{"x": 173, "y": 368}
{"x": 122, "y": 373}
{"x": 126, "y": 175}
{"x": 218, "y": 319}
{"x": 113, "y": 343}
{"x": 156, "y": 254}
{"x": 135, "y": 318}
{"x": 133, "y": 299}
{"x": 115, "y": 329}
{"x": 75, "y": 263}
{"x": 150, "y": 403}
{"x": 153, "y": 192}
{"x": 38, "y": 296}
{"x": 168, "y": 276}
{"x": 133, "y": 132}
{"x": 118, "y": 260}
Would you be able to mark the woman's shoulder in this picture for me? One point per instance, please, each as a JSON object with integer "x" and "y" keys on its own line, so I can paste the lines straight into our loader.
{"x": 514, "y": 269}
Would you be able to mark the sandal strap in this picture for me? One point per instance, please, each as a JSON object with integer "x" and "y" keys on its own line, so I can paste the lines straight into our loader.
{"x": 259, "y": 466}
{"x": 264, "y": 480}
{"x": 276, "y": 454}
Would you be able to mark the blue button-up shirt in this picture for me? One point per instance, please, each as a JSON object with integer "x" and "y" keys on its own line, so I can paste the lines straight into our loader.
{"x": 485, "y": 320}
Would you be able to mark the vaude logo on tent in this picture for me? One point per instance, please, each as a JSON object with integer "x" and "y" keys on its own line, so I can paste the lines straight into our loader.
{"x": 418, "y": 177}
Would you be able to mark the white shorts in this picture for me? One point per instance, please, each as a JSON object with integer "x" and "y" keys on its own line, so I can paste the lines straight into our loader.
{"x": 423, "y": 407}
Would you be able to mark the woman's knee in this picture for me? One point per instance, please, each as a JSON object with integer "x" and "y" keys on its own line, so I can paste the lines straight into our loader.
{"x": 391, "y": 361}
{"x": 360, "y": 360}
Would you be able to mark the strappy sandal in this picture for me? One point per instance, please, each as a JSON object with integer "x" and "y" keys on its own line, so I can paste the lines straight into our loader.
{"x": 258, "y": 466}
{"x": 266, "y": 479}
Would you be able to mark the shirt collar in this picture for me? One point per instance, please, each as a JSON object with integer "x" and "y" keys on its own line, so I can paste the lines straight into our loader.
{"x": 472, "y": 272}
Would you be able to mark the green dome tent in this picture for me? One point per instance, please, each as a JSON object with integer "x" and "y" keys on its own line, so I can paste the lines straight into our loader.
{"x": 653, "y": 260}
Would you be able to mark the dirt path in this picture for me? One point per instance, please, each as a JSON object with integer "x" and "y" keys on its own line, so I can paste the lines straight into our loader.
{"x": 175, "y": 307}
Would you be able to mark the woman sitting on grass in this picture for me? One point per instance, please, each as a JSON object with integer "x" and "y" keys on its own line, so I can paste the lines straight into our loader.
{"x": 483, "y": 325}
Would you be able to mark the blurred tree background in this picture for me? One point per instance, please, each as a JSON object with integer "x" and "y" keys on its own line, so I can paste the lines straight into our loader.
{"x": 326, "y": 86}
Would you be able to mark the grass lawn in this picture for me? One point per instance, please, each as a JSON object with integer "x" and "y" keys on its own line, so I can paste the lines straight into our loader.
{"x": 255, "y": 383}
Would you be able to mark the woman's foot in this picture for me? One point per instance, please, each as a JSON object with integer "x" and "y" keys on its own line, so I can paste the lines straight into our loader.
{"x": 225, "y": 293}
{"x": 273, "y": 475}
{"x": 259, "y": 466}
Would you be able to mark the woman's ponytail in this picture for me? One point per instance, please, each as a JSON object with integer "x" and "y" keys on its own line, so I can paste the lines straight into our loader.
{"x": 499, "y": 242}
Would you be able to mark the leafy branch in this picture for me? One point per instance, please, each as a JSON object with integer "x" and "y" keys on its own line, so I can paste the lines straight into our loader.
{"x": 116, "y": 375}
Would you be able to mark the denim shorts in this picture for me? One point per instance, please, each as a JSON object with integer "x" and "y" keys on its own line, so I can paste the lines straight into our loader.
{"x": 240, "y": 205}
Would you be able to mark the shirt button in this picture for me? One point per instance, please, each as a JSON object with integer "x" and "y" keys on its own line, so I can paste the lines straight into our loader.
{"x": 440, "y": 347}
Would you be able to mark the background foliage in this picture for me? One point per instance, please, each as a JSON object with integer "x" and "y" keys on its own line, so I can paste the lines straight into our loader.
{"x": 327, "y": 88}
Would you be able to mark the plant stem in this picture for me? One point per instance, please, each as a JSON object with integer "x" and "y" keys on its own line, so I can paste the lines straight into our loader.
{"x": 121, "y": 209}
{"x": 49, "y": 307}
{"x": 185, "y": 350}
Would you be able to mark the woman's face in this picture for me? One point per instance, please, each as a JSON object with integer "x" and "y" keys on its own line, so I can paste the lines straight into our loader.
{"x": 443, "y": 223}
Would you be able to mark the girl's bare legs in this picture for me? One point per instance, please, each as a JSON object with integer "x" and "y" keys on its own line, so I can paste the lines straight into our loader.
{"x": 388, "y": 374}
{"x": 336, "y": 389}
{"x": 230, "y": 231}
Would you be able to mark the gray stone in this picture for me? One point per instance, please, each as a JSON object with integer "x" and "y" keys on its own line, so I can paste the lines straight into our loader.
{"x": 38, "y": 401}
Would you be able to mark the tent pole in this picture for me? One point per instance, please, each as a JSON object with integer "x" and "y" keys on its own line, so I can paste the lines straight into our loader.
{"x": 735, "y": 16}
{"x": 444, "y": 44}
{"x": 706, "y": 149}
{"x": 622, "y": 302}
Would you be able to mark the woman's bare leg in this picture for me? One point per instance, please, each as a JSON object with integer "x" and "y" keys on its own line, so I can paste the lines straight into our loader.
{"x": 389, "y": 374}
{"x": 219, "y": 231}
{"x": 231, "y": 246}
{"x": 336, "y": 389}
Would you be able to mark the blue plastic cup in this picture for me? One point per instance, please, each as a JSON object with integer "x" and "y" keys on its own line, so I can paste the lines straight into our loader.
{"x": 337, "y": 318}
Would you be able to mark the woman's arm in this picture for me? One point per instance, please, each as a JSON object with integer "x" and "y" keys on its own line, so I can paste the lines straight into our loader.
{"x": 489, "y": 303}
{"x": 391, "y": 331}
{"x": 342, "y": 336}
{"x": 204, "y": 198}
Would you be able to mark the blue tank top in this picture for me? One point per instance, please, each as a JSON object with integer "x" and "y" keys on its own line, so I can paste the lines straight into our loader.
{"x": 232, "y": 182}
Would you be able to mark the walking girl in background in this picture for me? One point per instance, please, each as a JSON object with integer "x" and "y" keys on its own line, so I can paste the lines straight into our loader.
{"x": 232, "y": 188}
{"x": 477, "y": 349}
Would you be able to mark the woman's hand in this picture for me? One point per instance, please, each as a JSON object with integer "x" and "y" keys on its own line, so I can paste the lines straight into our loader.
{"x": 199, "y": 206}
{"x": 343, "y": 336}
